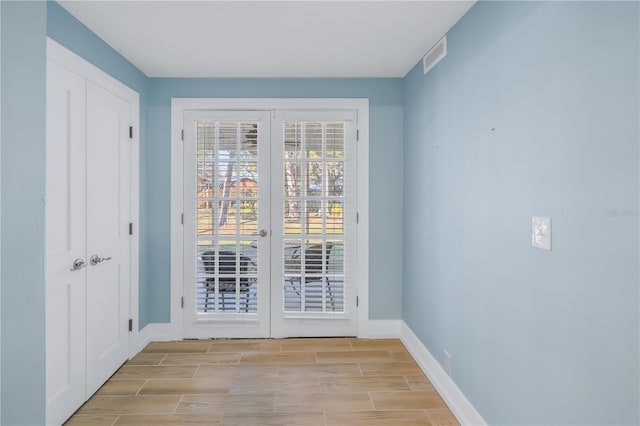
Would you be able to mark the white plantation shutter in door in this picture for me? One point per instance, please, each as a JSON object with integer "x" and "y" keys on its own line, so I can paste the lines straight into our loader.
{"x": 226, "y": 218}
{"x": 314, "y": 223}
{"x": 269, "y": 232}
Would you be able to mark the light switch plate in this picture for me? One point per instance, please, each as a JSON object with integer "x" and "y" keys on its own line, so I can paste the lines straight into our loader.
{"x": 541, "y": 232}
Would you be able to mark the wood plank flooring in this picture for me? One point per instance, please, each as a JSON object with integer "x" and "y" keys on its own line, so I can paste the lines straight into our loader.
{"x": 331, "y": 381}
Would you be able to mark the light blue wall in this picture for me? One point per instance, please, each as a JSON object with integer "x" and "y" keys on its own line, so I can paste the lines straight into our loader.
{"x": 75, "y": 36}
{"x": 71, "y": 33}
{"x": 22, "y": 212}
{"x": 534, "y": 111}
{"x": 385, "y": 151}
{"x": 385, "y": 102}
{"x": 23, "y": 52}
{"x": 536, "y": 337}
{"x": 0, "y": 211}
{"x": 385, "y": 157}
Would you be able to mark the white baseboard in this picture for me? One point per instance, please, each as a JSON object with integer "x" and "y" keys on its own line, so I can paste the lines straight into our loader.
{"x": 446, "y": 387}
{"x": 384, "y": 329}
{"x": 154, "y": 332}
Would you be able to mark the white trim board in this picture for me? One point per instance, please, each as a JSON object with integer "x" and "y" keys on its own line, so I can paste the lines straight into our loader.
{"x": 446, "y": 387}
{"x": 154, "y": 332}
{"x": 180, "y": 105}
{"x": 385, "y": 329}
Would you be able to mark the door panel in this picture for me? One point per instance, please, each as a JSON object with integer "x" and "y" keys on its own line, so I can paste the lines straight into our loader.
{"x": 226, "y": 205}
{"x": 65, "y": 241}
{"x": 313, "y": 245}
{"x": 108, "y": 177}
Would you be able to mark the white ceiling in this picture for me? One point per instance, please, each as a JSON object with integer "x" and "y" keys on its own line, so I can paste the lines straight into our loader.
{"x": 270, "y": 38}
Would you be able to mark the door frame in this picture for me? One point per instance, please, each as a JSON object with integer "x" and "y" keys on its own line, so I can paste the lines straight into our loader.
{"x": 74, "y": 63}
{"x": 180, "y": 105}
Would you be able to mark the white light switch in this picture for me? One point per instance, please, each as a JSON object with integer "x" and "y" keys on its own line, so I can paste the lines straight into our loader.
{"x": 541, "y": 232}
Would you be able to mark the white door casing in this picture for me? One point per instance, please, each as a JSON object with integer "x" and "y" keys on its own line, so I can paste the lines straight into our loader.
{"x": 306, "y": 323}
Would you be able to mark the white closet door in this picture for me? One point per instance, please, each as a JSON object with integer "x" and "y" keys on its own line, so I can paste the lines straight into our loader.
{"x": 108, "y": 186}
{"x": 65, "y": 242}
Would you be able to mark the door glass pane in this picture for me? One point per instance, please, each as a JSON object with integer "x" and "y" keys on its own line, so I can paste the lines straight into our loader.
{"x": 227, "y": 212}
{"x": 313, "y": 216}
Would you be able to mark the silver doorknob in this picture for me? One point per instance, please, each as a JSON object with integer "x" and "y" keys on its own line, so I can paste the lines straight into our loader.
{"x": 95, "y": 259}
{"x": 78, "y": 264}
{"x": 263, "y": 233}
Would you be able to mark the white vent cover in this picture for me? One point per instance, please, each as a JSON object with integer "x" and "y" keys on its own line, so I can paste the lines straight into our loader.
{"x": 435, "y": 55}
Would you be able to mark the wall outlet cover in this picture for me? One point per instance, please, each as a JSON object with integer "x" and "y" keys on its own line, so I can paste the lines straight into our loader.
{"x": 446, "y": 362}
{"x": 541, "y": 232}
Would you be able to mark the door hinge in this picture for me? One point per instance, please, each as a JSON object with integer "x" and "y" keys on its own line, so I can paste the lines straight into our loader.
{"x": 130, "y": 324}
{"x": 182, "y": 302}
{"x": 357, "y": 301}
{"x": 130, "y": 132}
{"x": 357, "y": 217}
{"x": 357, "y": 135}
{"x": 182, "y": 134}
{"x": 130, "y": 228}
{"x": 181, "y": 218}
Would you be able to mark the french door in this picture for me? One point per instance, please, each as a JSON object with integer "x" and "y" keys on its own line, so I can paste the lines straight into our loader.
{"x": 269, "y": 223}
{"x": 226, "y": 221}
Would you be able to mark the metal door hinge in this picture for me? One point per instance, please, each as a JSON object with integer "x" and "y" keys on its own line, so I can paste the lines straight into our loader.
{"x": 182, "y": 302}
{"x": 130, "y": 324}
{"x": 130, "y": 228}
{"x": 357, "y": 135}
{"x": 357, "y": 217}
{"x": 182, "y": 134}
{"x": 357, "y": 301}
{"x": 181, "y": 218}
{"x": 130, "y": 132}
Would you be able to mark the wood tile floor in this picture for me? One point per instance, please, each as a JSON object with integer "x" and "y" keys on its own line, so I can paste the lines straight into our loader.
{"x": 332, "y": 381}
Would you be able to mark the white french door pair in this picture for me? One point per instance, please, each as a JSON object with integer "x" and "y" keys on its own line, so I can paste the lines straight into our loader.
{"x": 269, "y": 223}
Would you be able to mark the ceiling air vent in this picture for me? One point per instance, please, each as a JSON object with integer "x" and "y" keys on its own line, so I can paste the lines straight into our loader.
{"x": 434, "y": 55}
